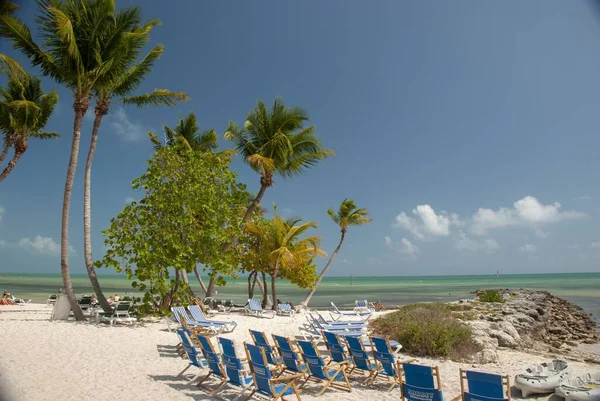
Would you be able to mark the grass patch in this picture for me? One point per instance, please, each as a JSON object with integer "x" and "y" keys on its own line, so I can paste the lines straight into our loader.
{"x": 428, "y": 330}
{"x": 491, "y": 296}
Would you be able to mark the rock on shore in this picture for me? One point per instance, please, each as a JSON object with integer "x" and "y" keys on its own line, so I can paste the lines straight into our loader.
{"x": 531, "y": 321}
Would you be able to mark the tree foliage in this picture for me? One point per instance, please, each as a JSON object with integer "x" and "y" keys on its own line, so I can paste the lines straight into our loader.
{"x": 192, "y": 207}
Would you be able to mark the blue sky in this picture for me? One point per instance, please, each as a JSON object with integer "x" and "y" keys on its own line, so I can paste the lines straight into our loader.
{"x": 468, "y": 129}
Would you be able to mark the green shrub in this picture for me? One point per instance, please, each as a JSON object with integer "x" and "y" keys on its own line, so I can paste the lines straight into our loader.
{"x": 427, "y": 330}
{"x": 491, "y": 296}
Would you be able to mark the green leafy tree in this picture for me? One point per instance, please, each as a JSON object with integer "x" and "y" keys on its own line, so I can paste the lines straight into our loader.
{"x": 276, "y": 142}
{"x": 125, "y": 77}
{"x": 347, "y": 215}
{"x": 78, "y": 49}
{"x": 283, "y": 253}
{"x": 192, "y": 207}
{"x": 24, "y": 111}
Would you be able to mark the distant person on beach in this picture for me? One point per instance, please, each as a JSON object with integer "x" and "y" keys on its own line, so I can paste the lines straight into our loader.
{"x": 60, "y": 290}
{"x": 116, "y": 298}
{"x": 6, "y": 299}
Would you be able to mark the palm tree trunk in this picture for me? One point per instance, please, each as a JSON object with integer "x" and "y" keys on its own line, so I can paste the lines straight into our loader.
{"x": 265, "y": 291}
{"x": 304, "y": 304}
{"x": 251, "y": 276}
{"x": 186, "y": 281}
{"x": 5, "y": 150}
{"x": 273, "y": 289}
{"x": 211, "y": 285}
{"x": 254, "y": 203}
{"x": 202, "y": 285}
{"x": 87, "y": 216}
{"x": 80, "y": 106}
{"x": 174, "y": 289}
{"x": 11, "y": 165}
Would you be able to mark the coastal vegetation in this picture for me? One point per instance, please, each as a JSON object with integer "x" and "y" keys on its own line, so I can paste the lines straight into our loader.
{"x": 490, "y": 296}
{"x": 195, "y": 213}
{"x": 428, "y": 330}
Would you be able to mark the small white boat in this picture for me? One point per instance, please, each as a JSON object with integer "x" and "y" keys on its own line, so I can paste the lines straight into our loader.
{"x": 582, "y": 388}
{"x": 542, "y": 378}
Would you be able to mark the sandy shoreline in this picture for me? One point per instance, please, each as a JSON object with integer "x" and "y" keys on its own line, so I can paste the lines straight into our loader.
{"x": 44, "y": 360}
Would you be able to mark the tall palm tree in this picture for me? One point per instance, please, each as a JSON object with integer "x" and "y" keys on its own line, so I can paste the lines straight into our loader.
{"x": 11, "y": 67}
{"x": 186, "y": 136}
{"x": 286, "y": 249}
{"x": 276, "y": 142}
{"x": 347, "y": 215}
{"x": 114, "y": 91}
{"x": 78, "y": 49}
{"x": 24, "y": 111}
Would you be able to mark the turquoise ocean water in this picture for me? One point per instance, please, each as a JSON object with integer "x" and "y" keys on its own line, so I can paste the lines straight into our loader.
{"x": 582, "y": 289}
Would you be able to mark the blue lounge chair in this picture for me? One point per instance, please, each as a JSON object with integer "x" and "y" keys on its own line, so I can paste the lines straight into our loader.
{"x": 291, "y": 360}
{"x": 215, "y": 365}
{"x": 264, "y": 382}
{"x": 234, "y": 368}
{"x": 361, "y": 305}
{"x": 317, "y": 329}
{"x": 199, "y": 317}
{"x": 337, "y": 349}
{"x": 365, "y": 315}
{"x": 335, "y": 328}
{"x": 421, "y": 382}
{"x": 332, "y": 373}
{"x": 360, "y": 358}
{"x": 261, "y": 340}
{"x": 193, "y": 355}
{"x": 483, "y": 386}
{"x": 181, "y": 315}
{"x": 388, "y": 366}
{"x": 354, "y": 324}
{"x": 285, "y": 309}
{"x": 255, "y": 308}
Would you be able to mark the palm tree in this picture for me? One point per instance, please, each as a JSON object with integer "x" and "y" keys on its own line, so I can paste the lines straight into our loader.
{"x": 11, "y": 67}
{"x": 286, "y": 250}
{"x": 117, "y": 90}
{"x": 347, "y": 215}
{"x": 24, "y": 111}
{"x": 78, "y": 49}
{"x": 276, "y": 142}
{"x": 186, "y": 136}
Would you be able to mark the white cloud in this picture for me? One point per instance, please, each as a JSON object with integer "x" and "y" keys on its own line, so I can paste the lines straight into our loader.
{"x": 375, "y": 262}
{"x": 129, "y": 199}
{"x": 42, "y": 245}
{"x": 346, "y": 262}
{"x": 128, "y": 131}
{"x": 465, "y": 243}
{"x": 404, "y": 246}
{"x": 2, "y": 210}
{"x": 584, "y": 198}
{"x": 596, "y": 244}
{"x": 574, "y": 246}
{"x": 528, "y": 248}
{"x": 526, "y": 211}
{"x": 427, "y": 222}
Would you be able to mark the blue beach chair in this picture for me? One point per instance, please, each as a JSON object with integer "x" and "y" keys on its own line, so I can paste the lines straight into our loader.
{"x": 215, "y": 365}
{"x": 336, "y": 348}
{"x": 234, "y": 367}
{"x": 193, "y": 355}
{"x": 388, "y": 366}
{"x": 255, "y": 308}
{"x": 360, "y": 358}
{"x": 365, "y": 315}
{"x": 181, "y": 315}
{"x": 199, "y": 317}
{"x": 335, "y": 328}
{"x": 421, "y": 382}
{"x": 483, "y": 386}
{"x": 264, "y": 383}
{"x": 261, "y": 340}
{"x": 335, "y": 323}
{"x": 291, "y": 361}
{"x": 285, "y": 309}
{"x": 332, "y": 373}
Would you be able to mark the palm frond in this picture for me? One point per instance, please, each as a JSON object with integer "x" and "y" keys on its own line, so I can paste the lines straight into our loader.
{"x": 156, "y": 98}
{"x": 44, "y": 135}
{"x": 11, "y": 67}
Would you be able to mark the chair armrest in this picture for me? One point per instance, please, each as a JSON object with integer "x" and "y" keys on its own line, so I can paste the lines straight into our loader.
{"x": 287, "y": 377}
{"x": 337, "y": 364}
{"x": 458, "y": 397}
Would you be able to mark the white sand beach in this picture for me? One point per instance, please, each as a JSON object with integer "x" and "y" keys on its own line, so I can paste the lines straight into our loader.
{"x": 44, "y": 360}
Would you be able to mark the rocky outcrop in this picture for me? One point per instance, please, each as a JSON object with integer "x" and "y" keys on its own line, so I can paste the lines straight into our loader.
{"x": 531, "y": 321}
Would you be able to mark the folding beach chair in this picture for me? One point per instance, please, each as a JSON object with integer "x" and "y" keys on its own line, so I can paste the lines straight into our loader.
{"x": 265, "y": 384}
{"x": 192, "y": 354}
{"x": 335, "y": 327}
{"x": 181, "y": 315}
{"x": 337, "y": 349}
{"x": 361, "y": 305}
{"x": 236, "y": 374}
{"x": 360, "y": 358}
{"x": 85, "y": 303}
{"x": 331, "y": 374}
{"x": 120, "y": 313}
{"x": 387, "y": 365}
{"x": 51, "y": 299}
{"x": 339, "y": 313}
{"x": 285, "y": 309}
{"x": 261, "y": 340}
{"x": 254, "y": 308}
{"x": 421, "y": 382}
{"x": 483, "y": 386}
{"x": 349, "y": 324}
{"x": 215, "y": 365}
{"x": 199, "y": 317}
{"x": 291, "y": 361}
